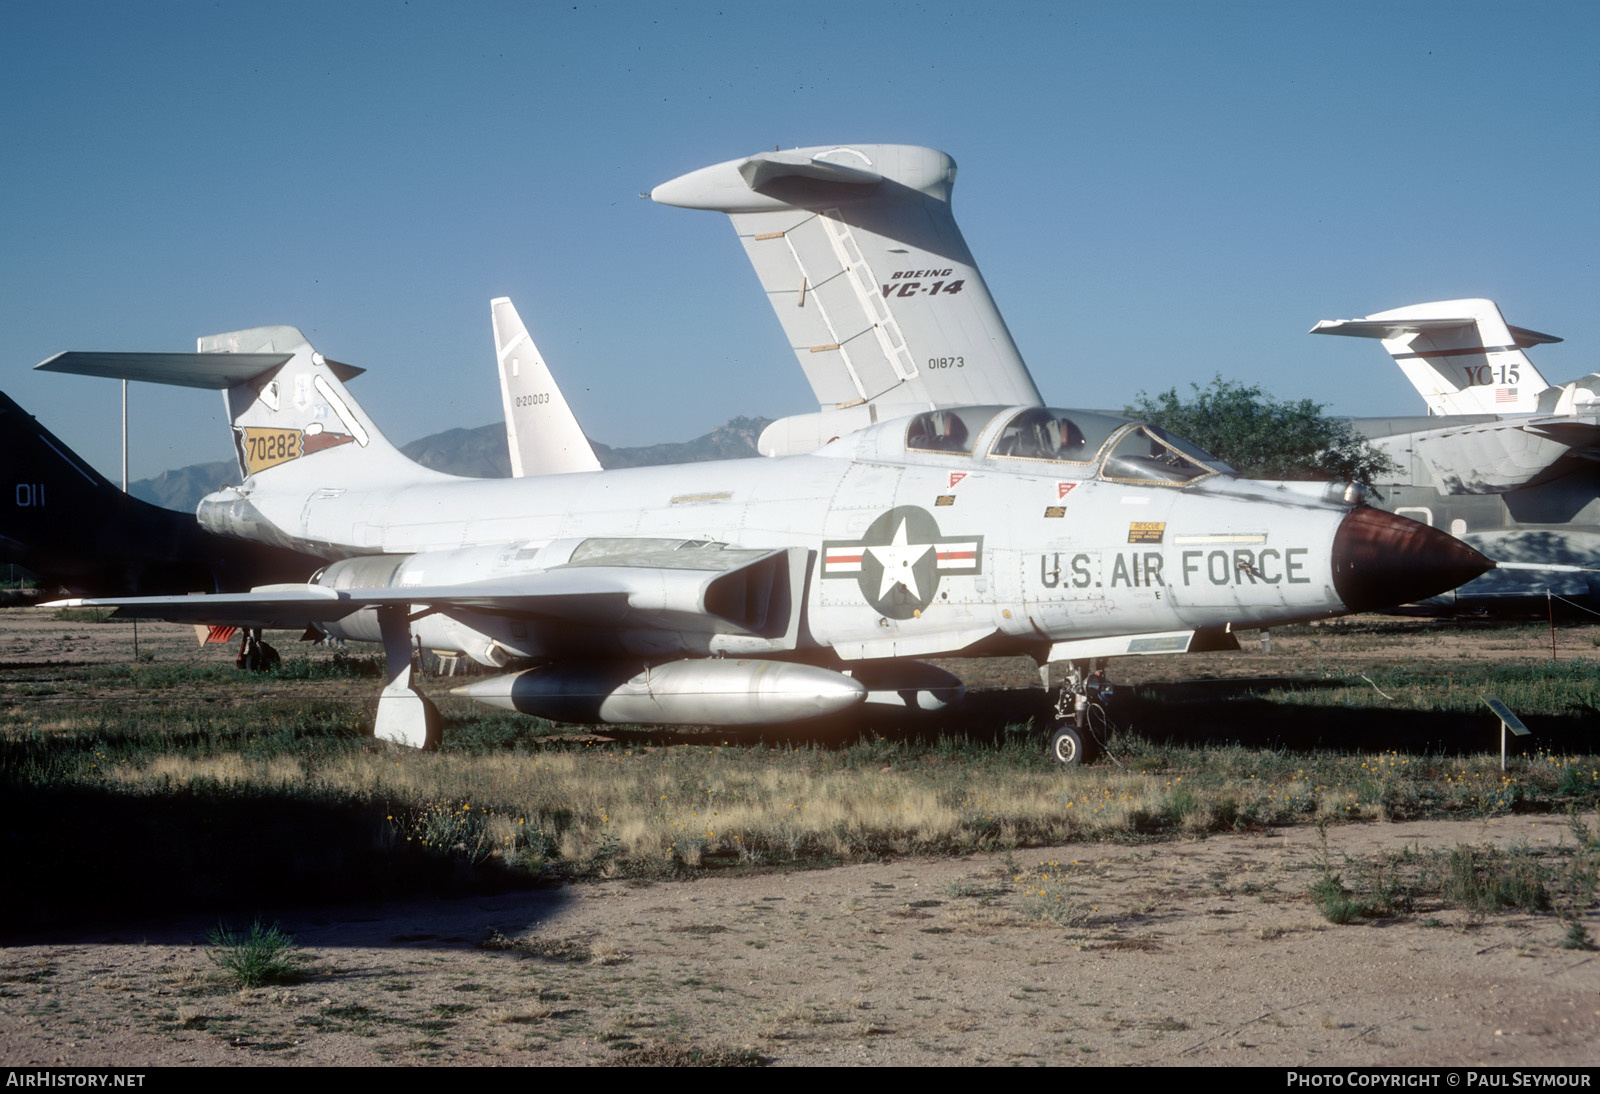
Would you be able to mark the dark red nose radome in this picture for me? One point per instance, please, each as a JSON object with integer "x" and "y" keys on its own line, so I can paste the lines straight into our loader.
{"x": 1381, "y": 560}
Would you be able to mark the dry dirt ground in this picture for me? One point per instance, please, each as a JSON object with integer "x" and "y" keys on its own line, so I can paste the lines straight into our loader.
{"x": 1199, "y": 952}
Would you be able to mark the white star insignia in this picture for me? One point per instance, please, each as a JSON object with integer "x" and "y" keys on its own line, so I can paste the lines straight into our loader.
{"x": 899, "y": 560}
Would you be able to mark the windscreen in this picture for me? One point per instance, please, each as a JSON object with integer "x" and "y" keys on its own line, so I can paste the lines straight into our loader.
{"x": 1151, "y": 455}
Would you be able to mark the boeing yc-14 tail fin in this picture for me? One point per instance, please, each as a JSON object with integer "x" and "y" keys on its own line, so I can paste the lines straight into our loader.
{"x": 861, "y": 258}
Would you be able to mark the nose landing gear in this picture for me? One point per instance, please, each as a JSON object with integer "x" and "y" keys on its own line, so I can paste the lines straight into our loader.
{"x": 1080, "y": 718}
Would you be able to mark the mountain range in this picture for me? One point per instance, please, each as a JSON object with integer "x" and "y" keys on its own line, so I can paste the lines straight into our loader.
{"x": 475, "y": 453}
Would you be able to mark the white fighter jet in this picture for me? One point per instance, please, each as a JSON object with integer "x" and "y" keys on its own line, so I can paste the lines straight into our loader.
{"x": 778, "y": 588}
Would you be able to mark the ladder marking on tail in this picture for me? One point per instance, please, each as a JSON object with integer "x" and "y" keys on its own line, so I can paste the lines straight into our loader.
{"x": 522, "y": 336}
{"x": 827, "y": 320}
{"x": 864, "y": 282}
{"x": 350, "y": 421}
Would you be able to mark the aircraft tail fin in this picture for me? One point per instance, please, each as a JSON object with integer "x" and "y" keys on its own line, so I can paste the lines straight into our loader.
{"x": 78, "y": 532}
{"x": 52, "y": 502}
{"x": 291, "y": 415}
{"x": 862, "y": 261}
{"x": 541, "y": 431}
{"x": 1460, "y": 355}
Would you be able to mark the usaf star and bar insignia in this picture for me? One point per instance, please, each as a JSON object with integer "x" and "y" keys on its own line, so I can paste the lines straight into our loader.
{"x": 900, "y": 559}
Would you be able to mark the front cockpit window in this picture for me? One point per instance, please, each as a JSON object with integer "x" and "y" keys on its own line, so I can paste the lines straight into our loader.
{"x": 1148, "y": 454}
{"x": 953, "y": 429}
{"x": 1059, "y": 436}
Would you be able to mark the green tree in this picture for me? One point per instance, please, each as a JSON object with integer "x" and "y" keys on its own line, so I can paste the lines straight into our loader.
{"x": 1262, "y": 438}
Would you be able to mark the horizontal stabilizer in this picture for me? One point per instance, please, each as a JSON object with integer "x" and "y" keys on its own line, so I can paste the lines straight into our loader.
{"x": 765, "y": 170}
{"x": 208, "y": 370}
{"x": 217, "y": 366}
{"x": 1396, "y": 328}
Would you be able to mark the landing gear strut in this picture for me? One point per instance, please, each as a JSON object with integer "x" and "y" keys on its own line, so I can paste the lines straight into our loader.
{"x": 1080, "y": 724}
{"x": 254, "y": 654}
{"x": 405, "y": 715}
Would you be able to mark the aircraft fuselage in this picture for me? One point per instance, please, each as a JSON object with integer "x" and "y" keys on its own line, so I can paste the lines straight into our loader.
{"x": 908, "y": 553}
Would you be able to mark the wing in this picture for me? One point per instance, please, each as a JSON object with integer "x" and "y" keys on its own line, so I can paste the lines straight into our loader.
{"x": 699, "y": 591}
{"x": 1497, "y": 457}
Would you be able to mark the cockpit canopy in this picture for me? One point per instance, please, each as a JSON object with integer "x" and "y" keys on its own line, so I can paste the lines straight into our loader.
{"x": 1115, "y": 448}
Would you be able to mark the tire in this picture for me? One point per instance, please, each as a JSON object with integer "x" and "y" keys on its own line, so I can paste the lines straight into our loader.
{"x": 1067, "y": 746}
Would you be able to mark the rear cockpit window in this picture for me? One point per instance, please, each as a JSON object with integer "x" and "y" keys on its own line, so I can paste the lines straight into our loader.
{"x": 954, "y": 429}
{"x": 1039, "y": 433}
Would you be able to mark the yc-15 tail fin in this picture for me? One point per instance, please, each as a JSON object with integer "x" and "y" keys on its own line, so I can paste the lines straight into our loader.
{"x": 1460, "y": 355}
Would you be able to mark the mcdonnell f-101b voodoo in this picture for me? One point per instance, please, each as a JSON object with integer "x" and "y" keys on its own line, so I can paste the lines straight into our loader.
{"x": 930, "y": 506}
{"x": 1504, "y": 460}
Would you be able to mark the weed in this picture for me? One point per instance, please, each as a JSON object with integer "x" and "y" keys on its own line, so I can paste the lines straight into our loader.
{"x": 1576, "y": 782}
{"x": 1577, "y": 937}
{"x": 1045, "y": 896}
{"x": 969, "y": 887}
{"x": 570, "y": 950}
{"x": 1486, "y": 879}
{"x": 1334, "y": 901}
{"x": 340, "y": 666}
{"x": 264, "y": 955}
{"x": 1389, "y": 892}
{"x": 673, "y": 1055}
{"x": 1328, "y": 893}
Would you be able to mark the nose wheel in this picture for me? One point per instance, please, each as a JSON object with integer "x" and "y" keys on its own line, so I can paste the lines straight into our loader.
{"x": 1066, "y": 745}
{"x": 1080, "y": 721}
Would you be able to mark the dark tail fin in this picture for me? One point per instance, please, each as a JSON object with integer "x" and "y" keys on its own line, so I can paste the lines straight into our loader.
{"x": 71, "y": 526}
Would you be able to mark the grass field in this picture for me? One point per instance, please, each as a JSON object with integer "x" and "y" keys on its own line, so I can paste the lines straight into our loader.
{"x": 164, "y": 783}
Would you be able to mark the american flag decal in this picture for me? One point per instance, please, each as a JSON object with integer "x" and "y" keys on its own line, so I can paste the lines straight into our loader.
{"x": 1505, "y": 394}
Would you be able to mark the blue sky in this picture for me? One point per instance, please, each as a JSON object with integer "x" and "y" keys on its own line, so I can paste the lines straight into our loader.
{"x": 1156, "y": 192}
